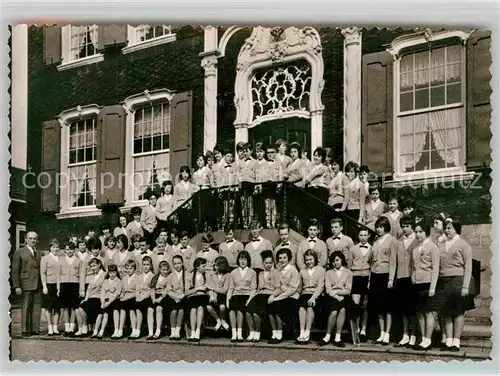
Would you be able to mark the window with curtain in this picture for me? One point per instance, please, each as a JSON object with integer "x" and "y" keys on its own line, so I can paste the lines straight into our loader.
{"x": 151, "y": 149}
{"x": 82, "y": 162}
{"x": 83, "y": 41}
{"x": 431, "y": 115}
{"x": 147, "y": 32}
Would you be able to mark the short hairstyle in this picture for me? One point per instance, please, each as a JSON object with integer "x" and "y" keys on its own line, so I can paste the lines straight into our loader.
{"x": 218, "y": 148}
{"x": 136, "y": 210}
{"x": 313, "y": 222}
{"x": 207, "y": 238}
{"x": 259, "y": 146}
{"x": 108, "y": 239}
{"x": 455, "y": 223}
{"x": 150, "y": 260}
{"x": 165, "y": 183}
{"x": 112, "y": 268}
{"x": 425, "y": 226}
{"x": 96, "y": 261}
{"x": 222, "y": 265}
{"x": 284, "y": 226}
{"x": 94, "y": 243}
{"x": 296, "y": 146}
{"x": 80, "y": 240}
{"x": 105, "y": 226}
{"x": 183, "y": 234}
{"x": 374, "y": 186}
{"x": 247, "y": 146}
{"x": 393, "y": 196}
{"x": 337, "y": 220}
{"x": 209, "y": 156}
{"x": 321, "y": 153}
{"x": 285, "y": 251}
{"x": 385, "y": 223}
{"x": 334, "y": 255}
{"x": 313, "y": 253}
{"x": 228, "y": 151}
{"x": 202, "y": 156}
{"x": 245, "y": 255}
{"x": 131, "y": 263}
{"x": 408, "y": 203}
{"x": 441, "y": 217}
{"x": 185, "y": 169}
{"x": 364, "y": 168}
{"x": 337, "y": 161}
{"x": 143, "y": 239}
{"x": 266, "y": 254}
{"x": 255, "y": 224}
{"x": 240, "y": 145}
{"x": 351, "y": 166}
{"x": 71, "y": 245}
{"x": 329, "y": 153}
{"x": 228, "y": 229}
{"x": 54, "y": 242}
{"x": 123, "y": 239}
{"x": 407, "y": 220}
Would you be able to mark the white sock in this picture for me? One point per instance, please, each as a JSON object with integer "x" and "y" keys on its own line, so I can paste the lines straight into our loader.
{"x": 225, "y": 325}
{"x": 381, "y": 338}
{"x": 425, "y": 342}
{"x": 274, "y": 334}
{"x": 279, "y": 335}
{"x": 71, "y": 327}
{"x": 85, "y": 329}
{"x": 119, "y": 333}
{"x": 197, "y": 333}
{"x": 49, "y": 328}
{"x": 172, "y": 331}
{"x": 234, "y": 333}
{"x": 449, "y": 342}
{"x": 302, "y": 334}
{"x": 218, "y": 324}
{"x": 54, "y": 328}
{"x": 178, "y": 331}
{"x": 239, "y": 333}
{"x": 413, "y": 340}
{"x": 158, "y": 332}
{"x": 456, "y": 342}
{"x": 337, "y": 337}
{"x": 327, "y": 337}
{"x": 405, "y": 339}
{"x": 251, "y": 336}
{"x": 307, "y": 334}
{"x": 362, "y": 332}
{"x": 443, "y": 337}
{"x": 257, "y": 336}
{"x": 386, "y": 337}
{"x": 66, "y": 327}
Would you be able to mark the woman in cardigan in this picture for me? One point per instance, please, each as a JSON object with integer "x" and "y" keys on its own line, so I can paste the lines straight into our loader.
{"x": 424, "y": 276}
{"x": 455, "y": 272}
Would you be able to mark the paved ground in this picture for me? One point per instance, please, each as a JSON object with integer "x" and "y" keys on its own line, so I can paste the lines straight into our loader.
{"x": 56, "y": 350}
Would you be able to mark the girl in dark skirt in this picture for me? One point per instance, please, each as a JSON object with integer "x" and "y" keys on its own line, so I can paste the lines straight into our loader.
{"x": 425, "y": 271}
{"x": 90, "y": 307}
{"x": 176, "y": 298}
{"x": 218, "y": 293}
{"x": 158, "y": 298}
{"x": 313, "y": 283}
{"x": 242, "y": 288}
{"x": 338, "y": 285}
{"x": 267, "y": 285}
{"x": 69, "y": 274}
{"x": 283, "y": 304}
{"x": 197, "y": 297}
{"x": 382, "y": 277}
{"x": 49, "y": 270}
{"x": 142, "y": 293}
{"x": 110, "y": 301}
{"x": 455, "y": 272}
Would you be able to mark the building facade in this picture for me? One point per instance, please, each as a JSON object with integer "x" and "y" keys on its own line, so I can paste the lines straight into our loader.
{"x": 113, "y": 110}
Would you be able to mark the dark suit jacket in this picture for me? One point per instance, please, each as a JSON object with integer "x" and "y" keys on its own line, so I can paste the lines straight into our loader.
{"x": 26, "y": 269}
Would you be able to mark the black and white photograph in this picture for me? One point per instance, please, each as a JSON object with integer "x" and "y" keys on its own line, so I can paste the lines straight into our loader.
{"x": 185, "y": 192}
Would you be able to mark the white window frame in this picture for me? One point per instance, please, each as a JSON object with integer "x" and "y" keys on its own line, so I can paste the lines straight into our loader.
{"x": 434, "y": 175}
{"x": 19, "y": 227}
{"x": 65, "y": 119}
{"x": 131, "y": 104}
{"x": 67, "y": 63}
{"x": 134, "y": 45}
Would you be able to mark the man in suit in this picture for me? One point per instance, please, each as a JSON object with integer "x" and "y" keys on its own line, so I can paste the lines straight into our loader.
{"x": 26, "y": 282}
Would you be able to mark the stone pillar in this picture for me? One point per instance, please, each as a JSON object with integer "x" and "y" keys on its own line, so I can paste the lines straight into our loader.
{"x": 241, "y": 134}
{"x": 316, "y": 131}
{"x": 352, "y": 94}
{"x": 209, "y": 64}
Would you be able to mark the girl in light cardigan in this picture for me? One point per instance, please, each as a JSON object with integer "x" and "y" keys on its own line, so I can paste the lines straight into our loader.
{"x": 51, "y": 283}
{"x": 455, "y": 273}
{"x": 424, "y": 276}
{"x": 242, "y": 288}
{"x": 338, "y": 284}
{"x": 69, "y": 270}
{"x": 313, "y": 283}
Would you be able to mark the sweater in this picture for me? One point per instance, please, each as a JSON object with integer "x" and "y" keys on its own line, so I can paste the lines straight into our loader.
{"x": 315, "y": 283}
{"x": 199, "y": 281}
{"x": 289, "y": 283}
{"x": 254, "y": 248}
{"x": 404, "y": 258}
{"x": 111, "y": 289}
{"x": 394, "y": 221}
{"x": 183, "y": 191}
{"x": 95, "y": 285}
{"x": 337, "y": 186}
{"x": 164, "y": 207}
{"x": 242, "y": 285}
{"x": 219, "y": 283}
{"x": 341, "y": 285}
{"x": 384, "y": 256}
{"x": 374, "y": 211}
{"x": 317, "y": 177}
{"x": 359, "y": 263}
{"x": 320, "y": 248}
{"x": 188, "y": 255}
{"x": 210, "y": 255}
{"x": 160, "y": 286}
{"x": 425, "y": 263}
{"x": 49, "y": 268}
{"x": 69, "y": 269}
{"x": 269, "y": 282}
{"x": 292, "y": 247}
{"x": 148, "y": 218}
{"x": 230, "y": 251}
{"x": 456, "y": 260}
{"x": 295, "y": 172}
{"x": 129, "y": 286}
{"x": 343, "y": 244}
{"x": 143, "y": 288}
{"x": 246, "y": 170}
{"x": 134, "y": 228}
{"x": 176, "y": 286}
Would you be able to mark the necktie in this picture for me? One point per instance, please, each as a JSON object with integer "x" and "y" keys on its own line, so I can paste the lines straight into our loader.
{"x": 363, "y": 246}
{"x": 34, "y": 252}
{"x": 312, "y": 240}
{"x": 336, "y": 238}
{"x": 255, "y": 240}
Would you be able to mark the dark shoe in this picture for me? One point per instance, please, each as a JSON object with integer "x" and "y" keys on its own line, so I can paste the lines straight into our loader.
{"x": 375, "y": 342}
{"x": 362, "y": 338}
{"x": 401, "y": 344}
{"x": 26, "y": 334}
{"x": 385, "y": 343}
{"x": 98, "y": 336}
{"x": 454, "y": 348}
{"x": 36, "y": 333}
{"x": 177, "y": 338}
{"x": 196, "y": 340}
{"x": 233, "y": 340}
{"x": 118, "y": 338}
{"x": 297, "y": 342}
{"x": 94, "y": 335}
{"x": 240, "y": 340}
{"x": 51, "y": 334}
{"x": 273, "y": 341}
{"x": 339, "y": 344}
{"x": 323, "y": 342}
{"x": 150, "y": 338}
{"x": 447, "y": 348}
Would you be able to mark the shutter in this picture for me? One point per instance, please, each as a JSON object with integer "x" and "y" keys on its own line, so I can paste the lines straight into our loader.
{"x": 180, "y": 132}
{"x": 478, "y": 99}
{"x": 51, "y": 160}
{"x": 111, "y": 35}
{"x": 377, "y": 112}
{"x": 111, "y": 156}
{"x": 52, "y": 44}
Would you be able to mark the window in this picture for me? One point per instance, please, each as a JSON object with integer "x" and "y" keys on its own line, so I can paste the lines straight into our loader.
{"x": 82, "y": 162}
{"x": 79, "y": 46}
{"x": 151, "y": 148}
{"x": 20, "y": 234}
{"x": 430, "y": 109}
{"x": 144, "y": 36}
{"x": 148, "y": 144}
{"x": 78, "y": 177}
